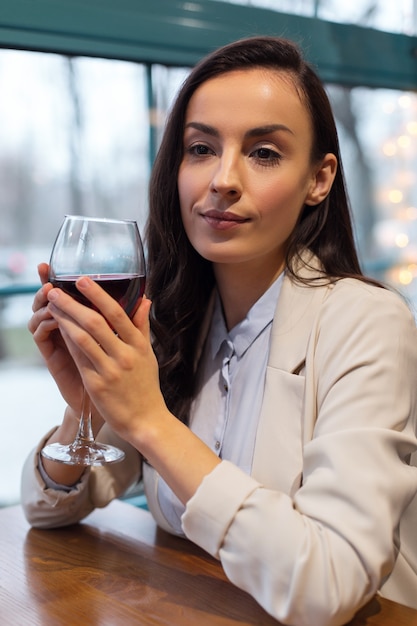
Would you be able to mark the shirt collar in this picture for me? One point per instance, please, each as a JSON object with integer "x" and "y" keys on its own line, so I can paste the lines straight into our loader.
{"x": 248, "y": 330}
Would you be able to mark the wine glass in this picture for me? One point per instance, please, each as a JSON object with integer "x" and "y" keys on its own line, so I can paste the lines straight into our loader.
{"x": 110, "y": 252}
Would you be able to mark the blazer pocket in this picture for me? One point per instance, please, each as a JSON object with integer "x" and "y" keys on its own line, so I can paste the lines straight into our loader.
{"x": 278, "y": 454}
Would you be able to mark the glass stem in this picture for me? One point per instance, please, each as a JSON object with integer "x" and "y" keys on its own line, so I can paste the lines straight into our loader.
{"x": 85, "y": 430}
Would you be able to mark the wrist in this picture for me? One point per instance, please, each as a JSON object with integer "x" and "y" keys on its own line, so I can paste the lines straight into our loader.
{"x": 180, "y": 457}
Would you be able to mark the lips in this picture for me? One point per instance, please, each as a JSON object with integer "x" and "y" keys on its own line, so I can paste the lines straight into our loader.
{"x": 223, "y": 220}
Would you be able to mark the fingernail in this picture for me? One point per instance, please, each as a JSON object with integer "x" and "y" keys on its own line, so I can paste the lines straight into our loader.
{"x": 83, "y": 282}
{"x": 52, "y": 295}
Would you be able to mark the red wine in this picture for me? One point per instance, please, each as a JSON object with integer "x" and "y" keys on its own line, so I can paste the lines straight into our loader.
{"x": 127, "y": 289}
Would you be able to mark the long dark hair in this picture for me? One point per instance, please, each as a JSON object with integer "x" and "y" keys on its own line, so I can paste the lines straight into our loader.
{"x": 180, "y": 281}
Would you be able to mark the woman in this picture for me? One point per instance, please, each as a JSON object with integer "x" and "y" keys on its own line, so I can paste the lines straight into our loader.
{"x": 272, "y": 414}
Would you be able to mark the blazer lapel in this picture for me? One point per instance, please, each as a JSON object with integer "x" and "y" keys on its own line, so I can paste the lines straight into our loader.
{"x": 278, "y": 454}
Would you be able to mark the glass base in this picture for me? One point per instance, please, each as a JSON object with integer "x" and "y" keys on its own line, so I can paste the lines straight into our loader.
{"x": 83, "y": 453}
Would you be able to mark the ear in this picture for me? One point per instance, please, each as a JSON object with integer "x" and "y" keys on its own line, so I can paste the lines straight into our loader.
{"x": 322, "y": 180}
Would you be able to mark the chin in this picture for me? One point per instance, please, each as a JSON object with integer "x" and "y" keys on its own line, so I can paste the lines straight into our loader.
{"x": 223, "y": 257}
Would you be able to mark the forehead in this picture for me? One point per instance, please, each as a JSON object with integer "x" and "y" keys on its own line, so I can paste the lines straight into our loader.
{"x": 256, "y": 95}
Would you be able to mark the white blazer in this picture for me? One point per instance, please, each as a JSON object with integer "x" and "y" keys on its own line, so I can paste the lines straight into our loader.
{"x": 331, "y": 481}
{"x": 331, "y": 505}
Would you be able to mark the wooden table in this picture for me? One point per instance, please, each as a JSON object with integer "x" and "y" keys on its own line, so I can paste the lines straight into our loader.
{"x": 116, "y": 569}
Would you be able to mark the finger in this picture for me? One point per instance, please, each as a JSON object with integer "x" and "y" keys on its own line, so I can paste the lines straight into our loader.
{"x": 80, "y": 343}
{"x": 41, "y": 297}
{"x": 43, "y": 271}
{"x": 84, "y": 326}
{"x": 41, "y": 332}
{"x": 141, "y": 317}
{"x": 109, "y": 308}
{"x": 45, "y": 337}
{"x": 81, "y": 322}
{"x": 39, "y": 317}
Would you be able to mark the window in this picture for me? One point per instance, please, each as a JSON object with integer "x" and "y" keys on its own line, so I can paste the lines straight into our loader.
{"x": 394, "y": 17}
{"x": 378, "y": 137}
{"x": 84, "y": 93}
{"x": 75, "y": 139}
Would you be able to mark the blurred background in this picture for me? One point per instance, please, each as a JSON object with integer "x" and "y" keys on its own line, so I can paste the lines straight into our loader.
{"x": 83, "y": 100}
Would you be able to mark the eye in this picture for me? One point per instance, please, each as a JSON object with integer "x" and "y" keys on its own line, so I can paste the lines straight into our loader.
{"x": 199, "y": 149}
{"x": 267, "y": 156}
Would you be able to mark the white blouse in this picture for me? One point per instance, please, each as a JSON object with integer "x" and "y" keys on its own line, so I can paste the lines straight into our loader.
{"x": 226, "y": 409}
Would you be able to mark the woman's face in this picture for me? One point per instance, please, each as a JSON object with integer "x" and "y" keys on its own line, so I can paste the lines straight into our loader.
{"x": 246, "y": 171}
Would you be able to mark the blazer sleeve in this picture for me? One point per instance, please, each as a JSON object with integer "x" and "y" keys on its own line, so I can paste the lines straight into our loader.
{"x": 316, "y": 557}
{"x": 46, "y": 507}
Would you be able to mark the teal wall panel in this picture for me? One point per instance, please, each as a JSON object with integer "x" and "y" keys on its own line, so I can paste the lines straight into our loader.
{"x": 179, "y": 33}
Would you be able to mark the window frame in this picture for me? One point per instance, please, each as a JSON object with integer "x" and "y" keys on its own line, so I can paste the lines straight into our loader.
{"x": 174, "y": 33}
{"x": 180, "y": 33}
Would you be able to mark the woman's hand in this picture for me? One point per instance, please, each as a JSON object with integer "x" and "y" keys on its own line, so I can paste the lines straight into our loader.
{"x": 119, "y": 369}
{"x": 112, "y": 353}
{"x": 51, "y": 345}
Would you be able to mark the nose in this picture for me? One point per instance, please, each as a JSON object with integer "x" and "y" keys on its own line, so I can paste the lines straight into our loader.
{"x": 227, "y": 177}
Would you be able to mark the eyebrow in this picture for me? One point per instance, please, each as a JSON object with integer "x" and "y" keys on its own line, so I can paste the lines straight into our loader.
{"x": 258, "y": 131}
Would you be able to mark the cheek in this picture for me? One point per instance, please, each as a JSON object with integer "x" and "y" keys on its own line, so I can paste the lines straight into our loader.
{"x": 185, "y": 190}
{"x": 280, "y": 206}
{"x": 185, "y": 196}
